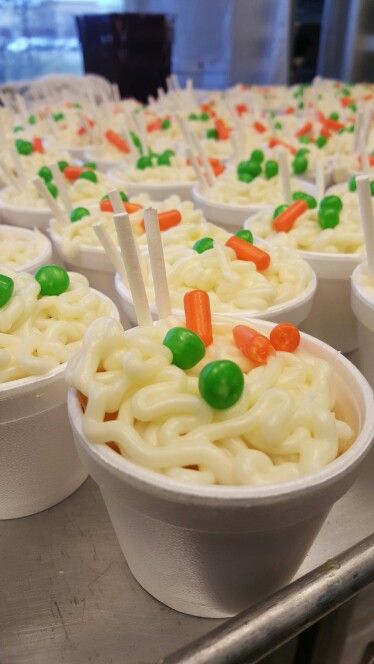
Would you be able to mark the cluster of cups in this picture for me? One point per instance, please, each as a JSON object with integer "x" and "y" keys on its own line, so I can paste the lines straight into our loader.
{"x": 207, "y": 551}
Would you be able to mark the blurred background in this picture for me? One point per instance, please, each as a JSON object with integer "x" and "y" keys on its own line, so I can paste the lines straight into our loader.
{"x": 217, "y": 43}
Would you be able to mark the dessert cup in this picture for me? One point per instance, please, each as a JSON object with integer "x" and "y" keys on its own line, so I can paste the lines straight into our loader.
{"x": 45, "y": 252}
{"x": 212, "y": 551}
{"x": 362, "y": 302}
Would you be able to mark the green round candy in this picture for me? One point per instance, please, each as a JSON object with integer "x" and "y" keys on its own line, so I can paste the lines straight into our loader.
{"x": 351, "y": 129}
{"x": 58, "y": 117}
{"x": 193, "y": 116}
{"x": 346, "y": 91}
{"x": 221, "y": 383}
{"x": 88, "y": 175}
{"x": 331, "y": 202}
{"x": 257, "y": 156}
{"x": 46, "y": 174}
{"x": 243, "y": 167}
{"x": 6, "y": 289}
{"x": 304, "y": 139}
{"x": 300, "y": 105}
{"x": 123, "y": 196}
{"x": 52, "y": 189}
{"x": 352, "y": 186}
{"x": 334, "y": 116}
{"x": 165, "y": 124}
{"x": 278, "y": 125}
{"x": 253, "y": 168}
{"x": 204, "y": 117}
{"x": 278, "y": 210}
{"x": 90, "y": 164}
{"x": 169, "y": 152}
{"x": 372, "y": 187}
{"x": 328, "y": 217}
{"x": 302, "y": 196}
{"x": 302, "y": 151}
{"x": 271, "y": 169}
{"x": 299, "y": 164}
{"x": 62, "y": 164}
{"x": 24, "y": 147}
{"x": 53, "y": 280}
{"x": 245, "y": 177}
{"x": 144, "y": 162}
{"x": 76, "y": 105}
{"x": 204, "y": 244}
{"x": 163, "y": 160}
{"x": 212, "y": 133}
{"x": 298, "y": 196}
{"x": 187, "y": 347}
{"x": 78, "y": 213}
{"x": 353, "y": 107}
{"x": 17, "y": 129}
{"x": 32, "y": 119}
{"x": 321, "y": 141}
{"x": 246, "y": 235}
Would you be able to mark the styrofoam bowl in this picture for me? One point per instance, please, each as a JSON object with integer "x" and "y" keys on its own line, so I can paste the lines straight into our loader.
{"x": 294, "y": 311}
{"x": 231, "y": 217}
{"x": 27, "y": 217}
{"x": 157, "y": 192}
{"x": 212, "y": 551}
{"x": 331, "y": 318}
{"x": 45, "y": 253}
{"x": 39, "y": 463}
{"x": 363, "y": 308}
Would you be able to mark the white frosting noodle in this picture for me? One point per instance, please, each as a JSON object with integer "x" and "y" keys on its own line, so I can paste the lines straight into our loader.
{"x": 283, "y": 427}
{"x": 307, "y": 235}
{"x": 177, "y": 172}
{"x": 233, "y": 285}
{"x": 228, "y": 189}
{"x": 39, "y": 333}
{"x": 19, "y": 248}
{"x": 80, "y": 235}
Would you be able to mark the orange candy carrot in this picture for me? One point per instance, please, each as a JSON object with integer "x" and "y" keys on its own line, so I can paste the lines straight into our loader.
{"x": 252, "y": 344}
{"x": 72, "y": 173}
{"x": 130, "y": 208}
{"x": 167, "y": 219}
{"x": 290, "y": 110}
{"x": 222, "y": 129}
{"x": 241, "y": 108}
{"x": 274, "y": 141}
{"x": 117, "y": 140}
{"x": 305, "y": 129}
{"x": 37, "y": 145}
{"x": 285, "y": 336}
{"x": 346, "y": 101}
{"x": 245, "y": 251}
{"x": 198, "y": 316}
{"x": 217, "y": 166}
{"x": 285, "y": 220}
{"x": 259, "y": 127}
{"x": 156, "y": 125}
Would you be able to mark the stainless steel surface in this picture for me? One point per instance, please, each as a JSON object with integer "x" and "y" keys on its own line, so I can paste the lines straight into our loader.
{"x": 66, "y": 593}
{"x": 263, "y": 628}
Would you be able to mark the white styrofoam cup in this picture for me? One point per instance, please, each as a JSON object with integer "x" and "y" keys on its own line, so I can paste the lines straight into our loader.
{"x": 45, "y": 253}
{"x": 212, "y": 551}
{"x": 363, "y": 308}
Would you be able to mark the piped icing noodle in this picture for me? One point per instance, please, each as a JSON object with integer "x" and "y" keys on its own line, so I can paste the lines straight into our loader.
{"x": 18, "y": 249}
{"x": 38, "y": 333}
{"x": 233, "y": 284}
{"x": 151, "y": 412}
{"x": 227, "y": 188}
{"x": 308, "y": 234}
{"x": 74, "y": 236}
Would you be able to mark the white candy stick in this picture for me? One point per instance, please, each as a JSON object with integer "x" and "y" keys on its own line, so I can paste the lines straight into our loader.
{"x": 284, "y": 172}
{"x": 365, "y": 165}
{"x": 13, "y": 180}
{"x": 50, "y": 201}
{"x": 132, "y": 265}
{"x": 175, "y": 82}
{"x": 160, "y": 93}
{"x": 116, "y": 201}
{"x": 199, "y": 173}
{"x": 116, "y": 92}
{"x": 357, "y": 132}
{"x": 128, "y": 139}
{"x": 367, "y": 217}
{"x": 368, "y": 114}
{"x": 111, "y": 250}
{"x": 235, "y": 145}
{"x": 157, "y": 260}
{"x": 202, "y": 154}
{"x": 62, "y": 188}
{"x": 320, "y": 179}
{"x": 18, "y": 166}
{"x": 21, "y": 107}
